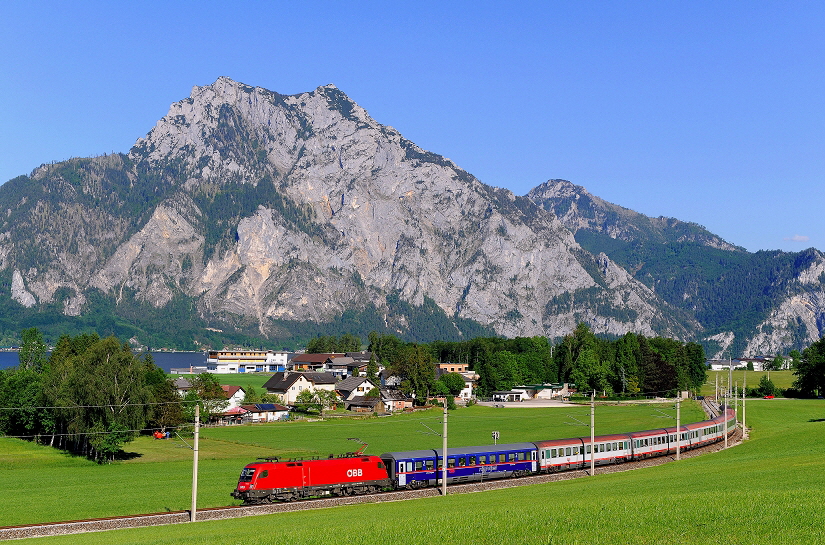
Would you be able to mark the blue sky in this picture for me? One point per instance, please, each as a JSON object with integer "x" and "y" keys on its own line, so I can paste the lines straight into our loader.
{"x": 711, "y": 112}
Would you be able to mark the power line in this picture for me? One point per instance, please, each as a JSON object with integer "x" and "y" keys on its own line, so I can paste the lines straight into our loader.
{"x": 181, "y": 402}
{"x": 110, "y": 432}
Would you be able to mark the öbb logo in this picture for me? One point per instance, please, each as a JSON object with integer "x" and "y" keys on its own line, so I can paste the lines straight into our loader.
{"x": 355, "y": 472}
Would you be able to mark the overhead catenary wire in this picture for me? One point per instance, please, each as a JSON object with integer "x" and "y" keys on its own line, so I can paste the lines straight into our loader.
{"x": 107, "y": 406}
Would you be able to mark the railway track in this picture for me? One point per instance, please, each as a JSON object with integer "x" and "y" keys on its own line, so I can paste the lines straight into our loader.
{"x": 217, "y": 513}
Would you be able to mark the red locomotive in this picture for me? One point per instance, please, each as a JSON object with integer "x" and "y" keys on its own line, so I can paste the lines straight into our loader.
{"x": 272, "y": 480}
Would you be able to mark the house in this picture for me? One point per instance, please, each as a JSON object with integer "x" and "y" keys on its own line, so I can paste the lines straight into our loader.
{"x": 364, "y": 404}
{"x": 354, "y": 386}
{"x": 265, "y": 412}
{"x": 510, "y": 395}
{"x": 246, "y": 361}
{"x": 463, "y": 369}
{"x": 342, "y": 367}
{"x": 288, "y": 384}
{"x": 182, "y": 386}
{"x": 234, "y": 394}
{"x": 312, "y": 362}
{"x": 395, "y": 400}
{"x": 388, "y": 380}
{"x": 442, "y": 368}
{"x": 724, "y": 365}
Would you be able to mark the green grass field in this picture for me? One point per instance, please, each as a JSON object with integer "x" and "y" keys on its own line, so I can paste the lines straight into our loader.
{"x": 767, "y": 490}
{"x": 781, "y": 379}
{"x": 243, "y": 380}
{"x": 158, "y": 476}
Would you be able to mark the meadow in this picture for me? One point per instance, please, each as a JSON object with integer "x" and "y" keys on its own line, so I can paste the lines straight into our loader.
{"x": 40, "y": 484}
{"x": 766, "y": 490}
{"x": 781, "y": 379}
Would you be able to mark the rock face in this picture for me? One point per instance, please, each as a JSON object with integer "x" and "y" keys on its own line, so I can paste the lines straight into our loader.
{"x": 256, "y": 209}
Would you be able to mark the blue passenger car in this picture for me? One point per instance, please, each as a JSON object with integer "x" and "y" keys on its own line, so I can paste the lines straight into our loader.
{"x": 417, "y": 468}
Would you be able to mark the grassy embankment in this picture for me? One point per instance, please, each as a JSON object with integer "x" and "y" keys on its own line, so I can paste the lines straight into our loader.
{"x": 39, "y": 484}
{"x": 764, "y": 491}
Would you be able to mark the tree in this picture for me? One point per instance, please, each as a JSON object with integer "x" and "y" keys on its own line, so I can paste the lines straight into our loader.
{"x": 767, "y": 388}
{"x": 307, "y": 401}
{"x": 453, "y": 381}
{"x": 416, "y": 370}
{"x": 33, "y": 350}
{"x": 251, "y": 395}
{"x": 103, "y": 388}
{"x": 795, "y": 356}
{"x": 810, "y": 371}
{"x": 208, "y": 393}
{"x": 327, "y": 399}
{"x": 167, "y": 410}
{"x": 372, "y": 368}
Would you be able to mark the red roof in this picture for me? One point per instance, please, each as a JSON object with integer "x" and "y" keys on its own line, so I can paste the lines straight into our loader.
{"x": 230, "y": 389}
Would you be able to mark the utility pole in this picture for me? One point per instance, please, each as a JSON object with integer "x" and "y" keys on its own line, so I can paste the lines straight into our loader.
{"x": 678, "y": 427}
{"x": 444, "y": 454}
{"x": 725, "y": 415}
{"x": 195, "y": 465}
{"x": 593, "y": 433}
{"x": 716, "y": 394}
{"x": 736, "y": 397}
{"x": 744, "y": 389}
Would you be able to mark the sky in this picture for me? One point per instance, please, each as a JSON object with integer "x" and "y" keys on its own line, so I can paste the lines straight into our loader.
{"x": 707, "y": 111}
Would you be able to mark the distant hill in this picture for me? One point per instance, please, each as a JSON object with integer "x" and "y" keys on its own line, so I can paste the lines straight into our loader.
{"x": 753, "y": 303}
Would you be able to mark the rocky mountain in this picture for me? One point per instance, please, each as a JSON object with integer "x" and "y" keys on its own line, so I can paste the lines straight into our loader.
{"x": 248, "y": 214}
{"x": 759, "y": 303}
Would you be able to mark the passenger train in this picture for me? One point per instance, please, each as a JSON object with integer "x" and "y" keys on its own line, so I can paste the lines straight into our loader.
{"x": 269, "y": 479}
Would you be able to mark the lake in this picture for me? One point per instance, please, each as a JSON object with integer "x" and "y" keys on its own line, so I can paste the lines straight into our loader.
{"x": 164, "y": 360}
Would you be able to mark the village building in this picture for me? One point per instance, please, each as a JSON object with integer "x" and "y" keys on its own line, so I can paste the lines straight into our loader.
{"x": 246, "y": 361}
{"x": 264, "y": 412}
{"x": 288, "y": 384}
{"x": 463, "y": 369}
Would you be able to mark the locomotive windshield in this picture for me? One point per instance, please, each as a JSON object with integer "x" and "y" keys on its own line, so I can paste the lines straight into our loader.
{"x": 246, "y": 474}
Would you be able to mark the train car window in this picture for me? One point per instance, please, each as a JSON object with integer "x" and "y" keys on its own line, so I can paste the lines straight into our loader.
{"x": 430, "y": 464}
{"x": 552, "y": 453}
{"x": 609, "y": 447}
{"x": 521, "y": 457}
{"x": 419, "y": 465}
{"x": 409, "y": 466}
{"x": 462, "y": 462}
{"x": 472, "y": 461}
{"x": 587, "y": 451}
{"x": 264, "y": 473}
{"x": 567, "y": 451}
{"x": 575, "y": 451}
{"x": 380, "y": 465}
{"x": 246, "y": 474}
{"x": 450, "y": 462}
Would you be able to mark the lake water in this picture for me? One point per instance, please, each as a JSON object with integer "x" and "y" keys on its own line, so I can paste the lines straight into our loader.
{"x": 164, "y": 360}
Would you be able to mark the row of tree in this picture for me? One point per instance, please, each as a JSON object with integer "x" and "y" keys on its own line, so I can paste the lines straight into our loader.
{"x": 89, "y": 396}
{"x": 630, "y": 365}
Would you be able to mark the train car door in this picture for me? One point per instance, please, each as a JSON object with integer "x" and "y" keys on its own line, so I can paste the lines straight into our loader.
{"x": 402, "y": 476}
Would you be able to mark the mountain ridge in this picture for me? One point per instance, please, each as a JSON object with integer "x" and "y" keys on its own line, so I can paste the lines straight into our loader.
{"x": 259, "y": 211}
